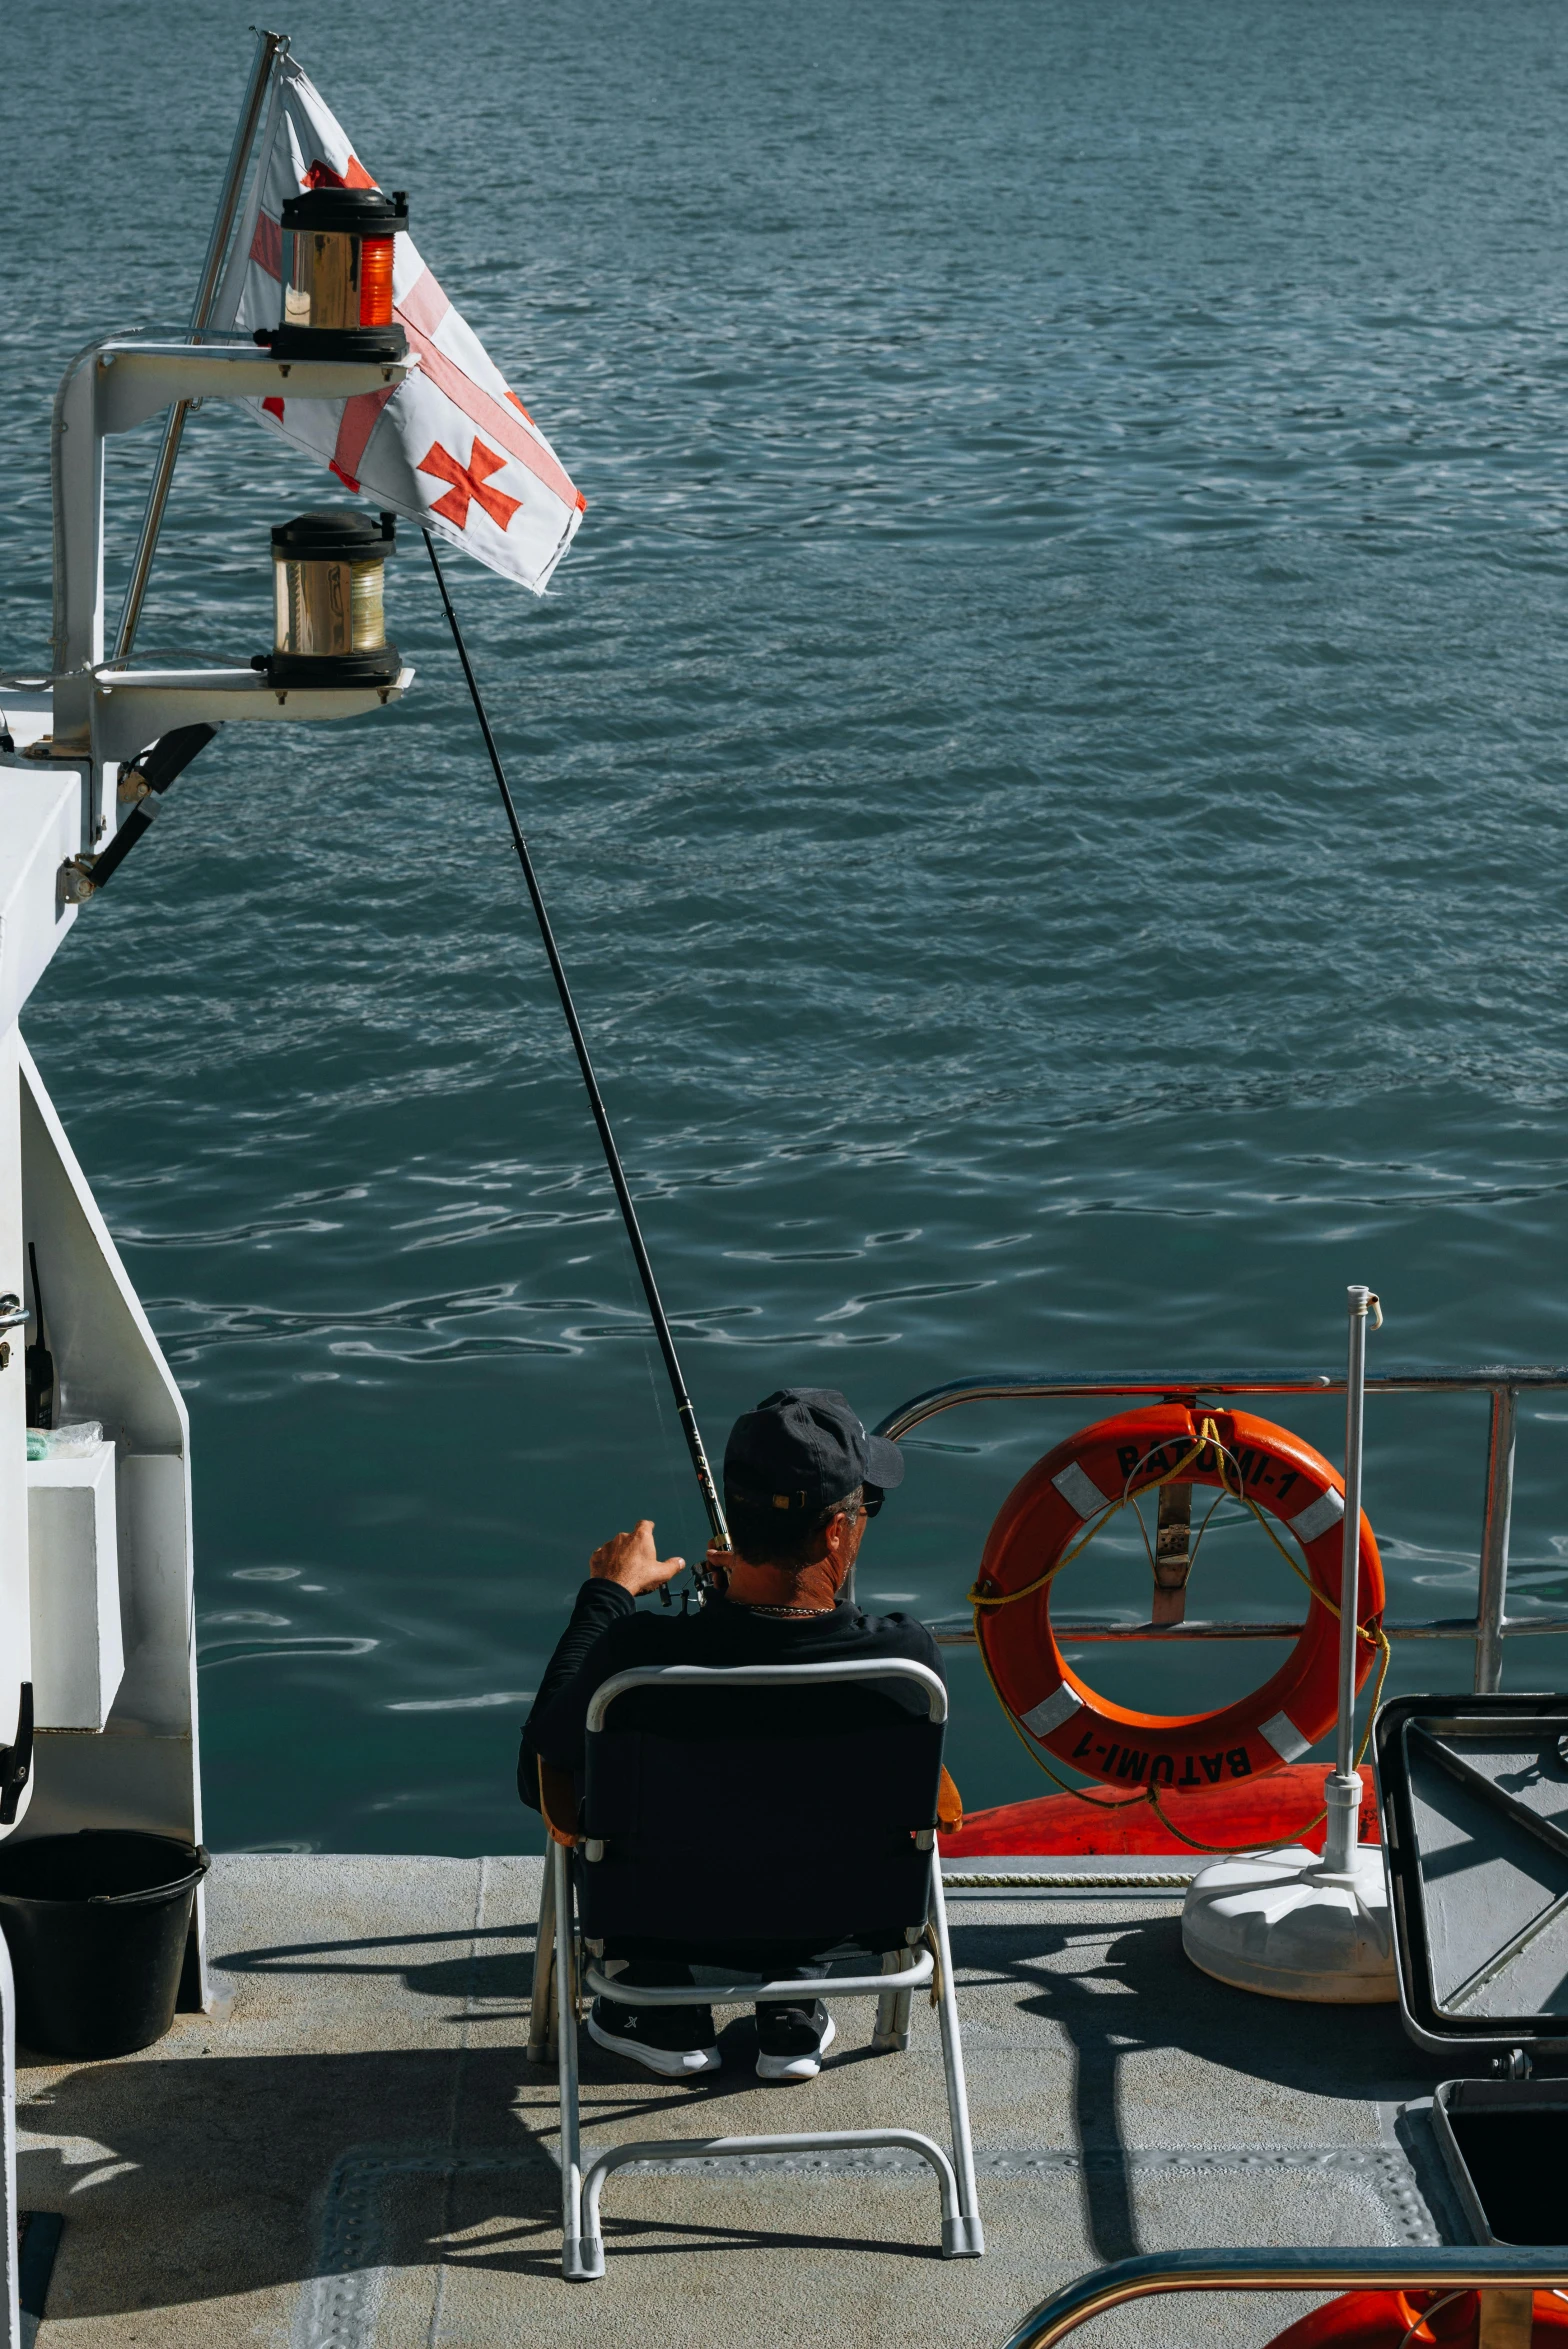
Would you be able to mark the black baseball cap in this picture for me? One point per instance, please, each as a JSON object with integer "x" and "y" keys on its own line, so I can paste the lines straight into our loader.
{"x": 802, "y": 1448}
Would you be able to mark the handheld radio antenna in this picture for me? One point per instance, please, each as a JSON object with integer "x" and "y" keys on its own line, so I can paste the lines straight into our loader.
{"x": 612, "y": 1157}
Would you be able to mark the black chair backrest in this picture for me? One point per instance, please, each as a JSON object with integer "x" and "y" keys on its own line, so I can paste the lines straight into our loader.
{"x": 733, "y": 1812}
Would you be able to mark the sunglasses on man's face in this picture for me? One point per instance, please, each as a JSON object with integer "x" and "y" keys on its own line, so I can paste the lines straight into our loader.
{"x": 871, "y": 1503}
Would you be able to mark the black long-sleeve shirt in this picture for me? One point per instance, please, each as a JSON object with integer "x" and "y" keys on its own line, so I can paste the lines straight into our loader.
{"x": 608, "y": 1633}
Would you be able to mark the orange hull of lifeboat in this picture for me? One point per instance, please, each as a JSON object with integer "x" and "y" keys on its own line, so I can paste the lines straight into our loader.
{"x": 1417, "y": 2320}
{"x": 1274, "y": 1806}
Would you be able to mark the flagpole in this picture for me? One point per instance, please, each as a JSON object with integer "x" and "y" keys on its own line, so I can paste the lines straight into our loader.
{"x": 612, "y": 1157}
{"x": 269, "y": 48}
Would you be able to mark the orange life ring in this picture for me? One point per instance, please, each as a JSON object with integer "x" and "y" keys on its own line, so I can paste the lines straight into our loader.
{"x": 1413, "y": 2320}
{"x": 1066, "y": 1493}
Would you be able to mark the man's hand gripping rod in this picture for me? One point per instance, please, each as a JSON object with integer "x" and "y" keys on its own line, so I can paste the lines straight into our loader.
{"x": 612, "y": 1157}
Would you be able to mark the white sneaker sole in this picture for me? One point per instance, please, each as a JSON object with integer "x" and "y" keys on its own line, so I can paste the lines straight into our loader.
{"x": 671, "y": 2063}
{"x": 797, "y": 2067}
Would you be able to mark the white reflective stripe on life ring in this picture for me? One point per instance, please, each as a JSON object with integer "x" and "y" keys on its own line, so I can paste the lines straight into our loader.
{"x": 1281, "y": 1731}
{"x": 1318, "y": 1516}
{"x": 1079, "y": 1490}
{"x": 1053, "y": 1710}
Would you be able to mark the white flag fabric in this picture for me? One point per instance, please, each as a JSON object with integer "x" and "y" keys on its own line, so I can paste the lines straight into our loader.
{"x": 452, "y": 446}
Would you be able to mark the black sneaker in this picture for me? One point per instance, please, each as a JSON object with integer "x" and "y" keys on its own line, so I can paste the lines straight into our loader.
{"x": 674, "y": 2041}
{"x": 792, "y": 2040}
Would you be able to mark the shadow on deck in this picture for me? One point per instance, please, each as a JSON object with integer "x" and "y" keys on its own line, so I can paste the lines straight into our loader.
{"x": 357, "y": 2152}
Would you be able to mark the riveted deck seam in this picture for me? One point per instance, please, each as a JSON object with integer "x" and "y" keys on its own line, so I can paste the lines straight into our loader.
{"x": 338, "y": 2307}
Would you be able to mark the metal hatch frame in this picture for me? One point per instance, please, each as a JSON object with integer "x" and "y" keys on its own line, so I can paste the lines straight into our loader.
{"x": 1430, "y": 2023}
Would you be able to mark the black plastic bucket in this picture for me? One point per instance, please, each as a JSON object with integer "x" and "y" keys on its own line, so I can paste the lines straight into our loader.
{"x": 96, "y": 1924}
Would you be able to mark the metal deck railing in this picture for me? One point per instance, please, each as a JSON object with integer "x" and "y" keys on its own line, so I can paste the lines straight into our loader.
{"x": 1504, "y": 1383}
{"x": 1415, "y": 2269}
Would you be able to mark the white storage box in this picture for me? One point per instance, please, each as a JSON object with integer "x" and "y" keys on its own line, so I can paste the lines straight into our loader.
{"x": 78, "y": 1653}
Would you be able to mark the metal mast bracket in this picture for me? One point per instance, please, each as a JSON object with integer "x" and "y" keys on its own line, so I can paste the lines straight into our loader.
{"x": 105, "y": 714}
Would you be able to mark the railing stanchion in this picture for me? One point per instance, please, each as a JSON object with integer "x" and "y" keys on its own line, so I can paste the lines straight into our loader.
{"x": 1342, "y": 1788}
{"x": 1496, "y": 1522}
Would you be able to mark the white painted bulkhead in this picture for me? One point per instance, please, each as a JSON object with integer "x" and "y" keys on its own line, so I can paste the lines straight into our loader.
{"x": 95, "y": 1551}
{"x": 40, "y": 824}
{"x": 109, "y": 1367}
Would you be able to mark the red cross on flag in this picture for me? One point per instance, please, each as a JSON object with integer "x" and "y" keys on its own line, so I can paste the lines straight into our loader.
{"x": 452, "y": 446}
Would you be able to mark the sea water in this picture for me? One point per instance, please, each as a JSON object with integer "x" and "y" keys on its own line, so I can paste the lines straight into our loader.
{"x": 1046, "y": 759}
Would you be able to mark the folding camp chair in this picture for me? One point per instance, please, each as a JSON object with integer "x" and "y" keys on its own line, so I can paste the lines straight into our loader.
{"x": 693, "y": 1834}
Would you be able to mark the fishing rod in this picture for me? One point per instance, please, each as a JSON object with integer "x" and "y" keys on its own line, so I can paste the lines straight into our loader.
{"x": 612, "y": 1157}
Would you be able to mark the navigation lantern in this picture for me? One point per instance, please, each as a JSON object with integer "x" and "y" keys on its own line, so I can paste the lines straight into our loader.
{"x": 337, "y": 276}
{"x": 330, "y": 626}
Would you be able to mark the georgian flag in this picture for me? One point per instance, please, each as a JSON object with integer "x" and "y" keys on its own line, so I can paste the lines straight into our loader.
{"x": 451, "y": 446}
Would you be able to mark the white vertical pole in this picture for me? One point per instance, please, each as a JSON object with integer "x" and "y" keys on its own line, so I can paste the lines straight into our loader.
{"x": 1492, "y": 1596}
{"x": 1342, "y": 1791}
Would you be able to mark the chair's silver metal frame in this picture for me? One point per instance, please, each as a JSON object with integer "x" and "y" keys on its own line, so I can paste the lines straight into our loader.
{"x": 1502, "y": 2275}
{"x": 558, "y": 1971}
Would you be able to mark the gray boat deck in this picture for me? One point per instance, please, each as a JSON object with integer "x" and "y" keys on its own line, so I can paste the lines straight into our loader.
{"x": 354, "y": 2152}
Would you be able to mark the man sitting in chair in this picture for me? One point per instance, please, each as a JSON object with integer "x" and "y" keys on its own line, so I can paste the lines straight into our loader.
{"x": 801, "y": 1477}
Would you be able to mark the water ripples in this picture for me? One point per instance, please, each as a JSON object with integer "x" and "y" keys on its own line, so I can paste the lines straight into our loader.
{"x": 1045, "y": 757}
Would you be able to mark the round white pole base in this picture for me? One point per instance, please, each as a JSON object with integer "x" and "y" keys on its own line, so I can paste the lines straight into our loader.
{"x": 1281, "y": 1923}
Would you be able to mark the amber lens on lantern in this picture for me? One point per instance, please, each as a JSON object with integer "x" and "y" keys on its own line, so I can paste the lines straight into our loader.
{"x": 338, "y": 252}
{"x": 375, "y": 281}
